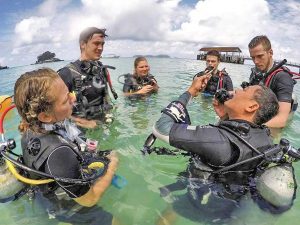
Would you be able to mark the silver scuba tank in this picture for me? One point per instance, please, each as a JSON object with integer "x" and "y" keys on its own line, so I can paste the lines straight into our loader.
{"x": 9, "y": 185}
{"x": 277, "y": 185}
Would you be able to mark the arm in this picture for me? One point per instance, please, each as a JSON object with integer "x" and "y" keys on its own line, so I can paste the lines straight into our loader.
{"x": 282, "y": 86}
{"x": 229, "y": 85}
{"x": 100, "y": 186}
{"x": 163, "y": 126}
{"x": 63, "y": 162}
{"x": 280, "y": 120}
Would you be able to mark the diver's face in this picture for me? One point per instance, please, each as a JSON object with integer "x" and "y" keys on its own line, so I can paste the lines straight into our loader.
{"x": 262, "y": 58}
{"x": 93, "y": 49}
{"x": 241, "y": 99}
{"x": 63, "y": 101}
{"x": 142, "y": 69}
{"x": 213, "y": 61}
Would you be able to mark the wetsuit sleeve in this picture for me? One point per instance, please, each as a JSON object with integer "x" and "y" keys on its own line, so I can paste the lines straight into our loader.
{"x": 282, "y": 86}
{"x": 66, "y": 76}
{"x": 208, "y": 142}
{"x": 228, "y": 83}
{"x": 128, "y": 85}
{"x": 63, "y": 162}
{"x": 165, "y": 122}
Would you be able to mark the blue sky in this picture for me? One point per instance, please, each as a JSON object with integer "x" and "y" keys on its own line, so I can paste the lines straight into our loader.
{"x": 174, "y": 27}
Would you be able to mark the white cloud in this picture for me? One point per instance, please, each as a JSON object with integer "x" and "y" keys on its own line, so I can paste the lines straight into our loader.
{"x": 220, "y": 22}
{"x": 51, "y": 7}
{"x": 33, "y": 29}
{"x": 160, "y": 26}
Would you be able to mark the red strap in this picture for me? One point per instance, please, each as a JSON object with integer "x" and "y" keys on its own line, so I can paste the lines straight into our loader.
{"x": 108, "y": 78}
{"x": 220, "y": 80}
{"x": 295, "y": 74}
{"x": 269, "y": 78}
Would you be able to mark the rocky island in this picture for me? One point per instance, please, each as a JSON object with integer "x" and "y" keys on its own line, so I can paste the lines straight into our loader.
{"x": 47, "y": 57}
{"x": 3, "y": 67}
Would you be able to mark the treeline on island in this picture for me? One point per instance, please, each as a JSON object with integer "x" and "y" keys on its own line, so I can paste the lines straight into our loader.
{"x": 47, "y": 57}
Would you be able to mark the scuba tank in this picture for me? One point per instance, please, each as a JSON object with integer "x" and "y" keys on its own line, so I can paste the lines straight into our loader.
{"x": 9, "y": 185}
{"x": 277, "y": 185}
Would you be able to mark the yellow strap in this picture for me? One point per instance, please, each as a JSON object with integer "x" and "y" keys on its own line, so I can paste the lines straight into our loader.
{"x": 26, "y": 180}
{"x": 96, "y": 165}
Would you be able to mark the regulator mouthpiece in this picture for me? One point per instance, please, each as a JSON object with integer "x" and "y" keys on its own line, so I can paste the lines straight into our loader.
{"x": 222, "y": 95}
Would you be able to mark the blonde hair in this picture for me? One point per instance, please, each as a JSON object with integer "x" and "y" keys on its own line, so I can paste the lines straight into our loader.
{"x": 32, "y": 96}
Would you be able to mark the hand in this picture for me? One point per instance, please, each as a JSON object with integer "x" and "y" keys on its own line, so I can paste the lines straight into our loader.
{"x": 145, "y": 90}
{"x": 199, "y": 84}
{"x": 90, "y": 124}
{"x": 219, "y": 109}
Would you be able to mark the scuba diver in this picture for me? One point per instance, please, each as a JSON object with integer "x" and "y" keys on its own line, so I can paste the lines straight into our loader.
{"x": 141, "y": 82}
{"x": 89, "y": 79}
{"x": 219, "y": 79}
{"x": 71, "y": 179}
{"x": 225, "y": 156}
{"x": 277, "y": 77}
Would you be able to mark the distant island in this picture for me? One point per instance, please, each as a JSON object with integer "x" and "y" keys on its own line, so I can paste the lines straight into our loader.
{"x": 111, "y": 56}
{"x": 152, "y": 56}
{"x": 3, "y": 67}
{"x": 47, "y": 57}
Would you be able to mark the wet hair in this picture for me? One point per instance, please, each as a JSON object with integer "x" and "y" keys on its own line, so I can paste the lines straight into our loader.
{"x": 32, "y": 96}
{"x": 214, "y": 53}
{"x": 139, "y": 59}
{"x": 268, "y": 105}
{"x": 263, "y": 40}
{"x": 88, "y": 33}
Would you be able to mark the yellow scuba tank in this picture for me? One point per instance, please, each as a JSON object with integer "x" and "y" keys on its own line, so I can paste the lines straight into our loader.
{"x": 277, "y": 185}
{"x": 9, "y": 185}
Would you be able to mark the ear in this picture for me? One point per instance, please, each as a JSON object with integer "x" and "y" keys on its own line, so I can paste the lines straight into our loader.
{"x": 82, "y": 45}
{"x": 252, "y": 107}
{"x": 45, "y": 117}
{"x": 271, "y": 52}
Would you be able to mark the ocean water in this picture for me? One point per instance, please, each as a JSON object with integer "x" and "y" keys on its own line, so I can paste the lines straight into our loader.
{"x": 139, "y": 202}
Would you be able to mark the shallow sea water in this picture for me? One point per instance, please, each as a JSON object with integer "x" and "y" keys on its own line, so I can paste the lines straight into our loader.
{"x": 139, "y": 202}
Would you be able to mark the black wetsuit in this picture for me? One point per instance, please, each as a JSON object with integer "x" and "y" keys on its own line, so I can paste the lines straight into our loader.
{"x": 88, "y": 80}
{"x": 213, "y": 144}
{"x": 133, "y": 83}
{"x": 219, "y": 80}
{"x": 212, "y": 196}
{"x": 59, "y": 157}
{"x": 281, "y": 84}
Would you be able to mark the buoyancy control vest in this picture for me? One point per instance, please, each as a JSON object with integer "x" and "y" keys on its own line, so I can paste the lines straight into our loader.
{"x": 257, "y": 77}
{"x": 38, "y": 147}
{"x": 216, "y": 81}
{"x": 90, "y": 86}
{"x": 36, "y": 150}
{"x": 136, "y": 83}
{"x": 241, "y": 134}
{"x": 268, "y": 80}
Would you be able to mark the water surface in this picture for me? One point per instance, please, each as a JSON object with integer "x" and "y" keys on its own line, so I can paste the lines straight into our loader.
{"x": 139, "y": 202}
